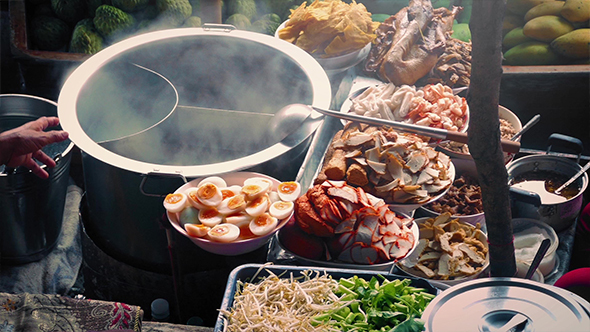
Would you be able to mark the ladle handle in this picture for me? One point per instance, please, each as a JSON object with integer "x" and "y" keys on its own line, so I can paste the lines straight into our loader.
{"x": 526, "y": 127}
{"x": 573, "y": 178}
{"x": 507, "y": 145}
{"x": 538, "y": 257}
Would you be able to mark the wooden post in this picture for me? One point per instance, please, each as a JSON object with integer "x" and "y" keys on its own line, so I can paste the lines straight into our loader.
{"x": 211, "y": 11}
{"x": 484, "y": 132}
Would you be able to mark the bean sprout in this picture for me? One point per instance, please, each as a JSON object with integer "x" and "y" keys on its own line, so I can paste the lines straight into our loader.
{"x": 282, "y": 304}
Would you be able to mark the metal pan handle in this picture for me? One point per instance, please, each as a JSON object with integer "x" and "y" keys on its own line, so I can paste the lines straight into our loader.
{"x": 525, "y": 196}
{"x": 223, "y": 27}
{"x": 155, "y": 175}
{"x": 565, "y": 141}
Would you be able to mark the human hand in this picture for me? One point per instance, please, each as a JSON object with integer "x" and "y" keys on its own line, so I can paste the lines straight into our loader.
{"x": 22, "y": 145}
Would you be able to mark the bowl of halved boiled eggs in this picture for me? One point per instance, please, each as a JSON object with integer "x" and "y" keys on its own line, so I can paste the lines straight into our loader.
{"x": 231, "y": 214}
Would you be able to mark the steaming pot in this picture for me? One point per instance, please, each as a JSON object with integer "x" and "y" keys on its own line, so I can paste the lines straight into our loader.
{"x": 155, "y": 110}
{"x": 558, "y": 215}
{"x": 31, "y": 208}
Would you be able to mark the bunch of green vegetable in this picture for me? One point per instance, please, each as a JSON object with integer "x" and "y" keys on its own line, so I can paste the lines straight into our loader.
{"x": 389, "y": 306}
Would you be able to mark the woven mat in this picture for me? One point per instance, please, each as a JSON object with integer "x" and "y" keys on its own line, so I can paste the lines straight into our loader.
{"x": 50, "y": 312}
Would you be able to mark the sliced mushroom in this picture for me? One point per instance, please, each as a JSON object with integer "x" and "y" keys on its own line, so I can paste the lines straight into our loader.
{"x": 353, "y": 154}
{"x": 417, "y": 161}
{"x": 358, "y": 138}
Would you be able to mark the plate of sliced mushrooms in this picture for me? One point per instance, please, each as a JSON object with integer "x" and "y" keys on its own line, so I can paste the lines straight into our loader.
{"x": 448, "y": 251}
{"x": 400, "y": 168}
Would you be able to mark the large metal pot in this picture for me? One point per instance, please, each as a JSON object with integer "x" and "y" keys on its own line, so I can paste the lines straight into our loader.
{"x": 157, "y": 109}
{"x": 31, "y": 208}
{"x": 528, "y": 204}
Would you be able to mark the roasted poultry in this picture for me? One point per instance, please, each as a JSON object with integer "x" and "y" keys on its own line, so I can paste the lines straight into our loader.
{"x": 409, "y": 43}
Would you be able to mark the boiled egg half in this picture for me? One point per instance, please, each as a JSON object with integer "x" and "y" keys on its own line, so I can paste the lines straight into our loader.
{"x": 263, "y": 224}
{"x": 280, "y": 209}
{"x": 209, "y": 194}
{"x": 210, "y": 217}
{"x": 232, "y": 204}
{"x": 289, "y": 191}
{"x": 193, "y": 198}
{"x": 216, "y": 180}
{"x": 239, "y": 219}
{"x": 257, "y": 206}
{"x": 174, "y": 203}
{"x": 255, "y": 187}
{"x": 196, "y": 230}
{"x": 224, "y": 232}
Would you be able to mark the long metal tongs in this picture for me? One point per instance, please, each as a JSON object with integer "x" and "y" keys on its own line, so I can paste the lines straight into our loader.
{"x": 507, "y": 145}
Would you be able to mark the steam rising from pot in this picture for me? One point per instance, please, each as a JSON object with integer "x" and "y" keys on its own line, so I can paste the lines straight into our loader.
{"x": 228, "y": 90}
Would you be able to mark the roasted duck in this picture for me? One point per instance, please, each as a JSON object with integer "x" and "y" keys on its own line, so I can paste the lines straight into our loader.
{"x": 409, "y": 43}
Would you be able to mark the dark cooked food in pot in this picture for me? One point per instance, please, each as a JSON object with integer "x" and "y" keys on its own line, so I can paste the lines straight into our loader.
{"x": 410, "y": 42}
{"x": 462, "y": 199}
{"x": 551, "y": 181}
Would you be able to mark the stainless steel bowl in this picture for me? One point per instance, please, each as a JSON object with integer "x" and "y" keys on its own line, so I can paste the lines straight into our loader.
{"x": 31, "y": 208}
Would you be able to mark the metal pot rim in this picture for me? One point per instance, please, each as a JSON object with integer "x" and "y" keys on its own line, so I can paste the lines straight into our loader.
{"x": 70, "y": 91}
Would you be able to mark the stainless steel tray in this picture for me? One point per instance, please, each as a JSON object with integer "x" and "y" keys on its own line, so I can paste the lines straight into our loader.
{"x": 314, "y": 157}
{"x": 248, "y": 272}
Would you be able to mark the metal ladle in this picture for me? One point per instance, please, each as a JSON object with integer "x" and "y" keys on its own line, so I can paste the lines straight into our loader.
{"x": 538, "y": 258}
{"x": 290, "y": 117}
{"x": 526, "y": 127}
{"x": 573, "y": 178}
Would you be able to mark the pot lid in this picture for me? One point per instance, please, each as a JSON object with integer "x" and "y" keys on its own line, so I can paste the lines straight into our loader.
{"x": 487, "y": 304}
{"x": 194, "y": 101}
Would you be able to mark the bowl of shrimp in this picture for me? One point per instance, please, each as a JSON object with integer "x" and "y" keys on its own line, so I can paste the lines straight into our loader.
{"x": 434, "y": 105}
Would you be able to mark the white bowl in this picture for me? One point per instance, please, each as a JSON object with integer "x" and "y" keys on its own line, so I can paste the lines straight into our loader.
{"x": 388, "y": 266}
{"x": 451, "y": 282}
{"x": 237, "y": 247}
{"x": 533, "y": 228}
{"x": 466, "y": 158}
{"x": 337, "y": 64}
{"x": 523, "y": 267}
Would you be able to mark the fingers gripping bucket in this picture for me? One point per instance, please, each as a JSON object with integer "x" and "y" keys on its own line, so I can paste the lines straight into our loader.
{"x": 31, "y": 208}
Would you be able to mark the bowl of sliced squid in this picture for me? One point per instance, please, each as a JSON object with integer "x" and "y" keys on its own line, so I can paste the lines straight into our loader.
{"x": 434, "y": 105}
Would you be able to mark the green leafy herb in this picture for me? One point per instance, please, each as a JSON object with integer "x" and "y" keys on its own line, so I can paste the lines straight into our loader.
{"x": 377, "y": 306}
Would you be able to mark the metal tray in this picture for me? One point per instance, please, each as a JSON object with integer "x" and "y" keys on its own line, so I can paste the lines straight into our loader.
{"x": 248, "y": 271}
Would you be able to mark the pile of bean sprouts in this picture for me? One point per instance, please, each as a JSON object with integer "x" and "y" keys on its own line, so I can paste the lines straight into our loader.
{"x": 282, "y": 304}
